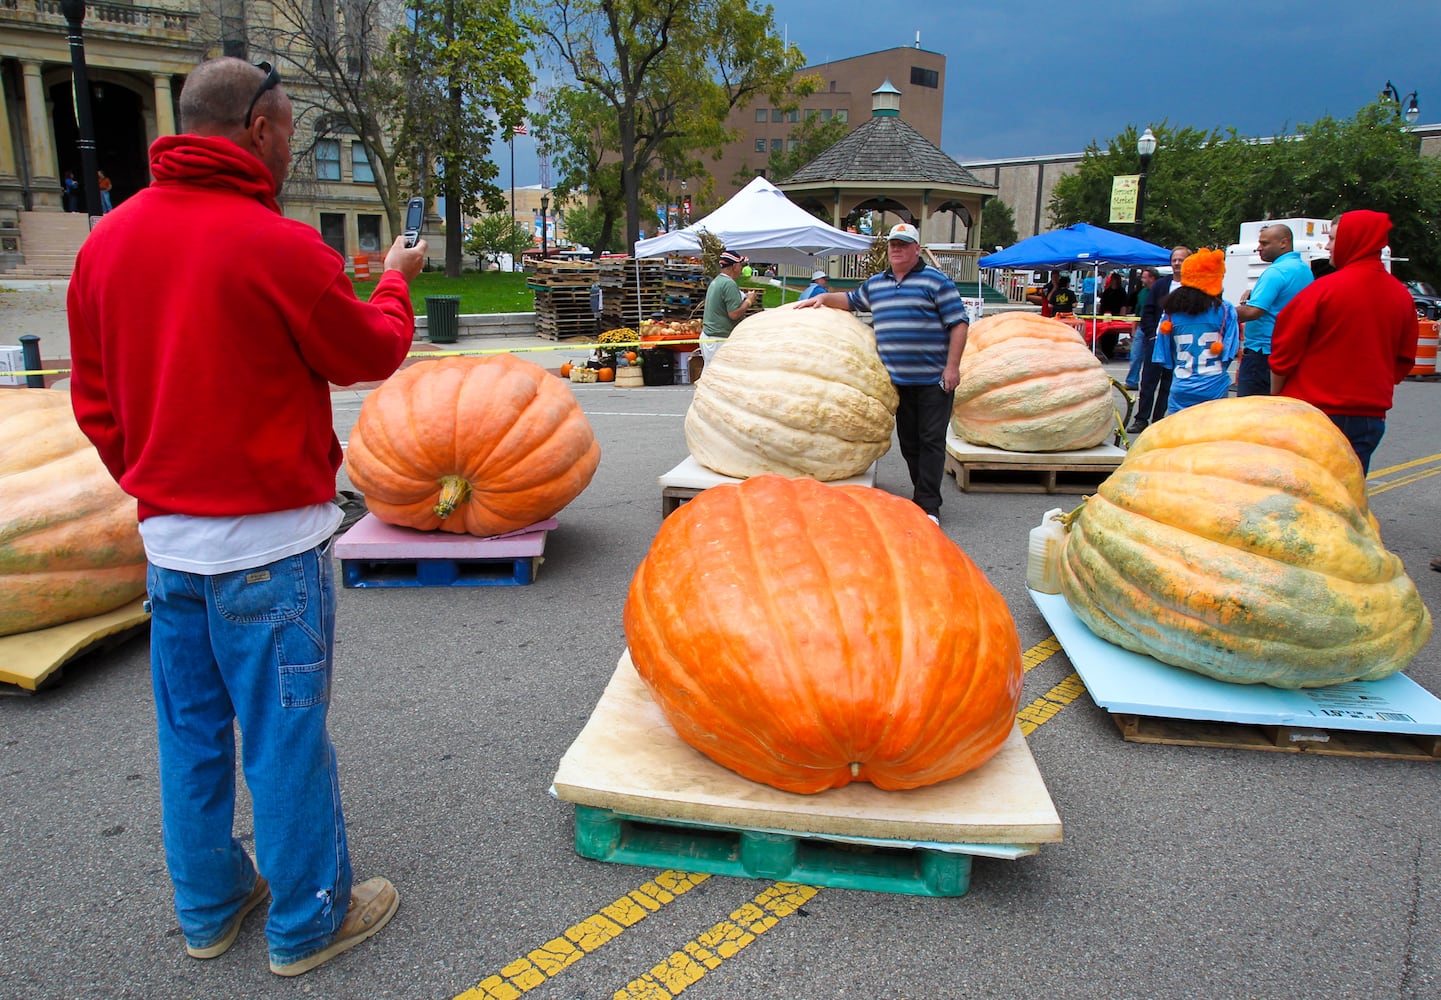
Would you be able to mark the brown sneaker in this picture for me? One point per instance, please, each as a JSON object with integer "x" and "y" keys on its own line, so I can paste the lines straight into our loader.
{"x": 258, "y": 895}
{"x": 372, "y": 904}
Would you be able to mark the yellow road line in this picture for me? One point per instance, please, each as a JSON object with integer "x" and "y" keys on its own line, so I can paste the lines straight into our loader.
{"x": 688, "y": 964}
{"x": 1045, "y": 708}
{"x": 558, "y": 954}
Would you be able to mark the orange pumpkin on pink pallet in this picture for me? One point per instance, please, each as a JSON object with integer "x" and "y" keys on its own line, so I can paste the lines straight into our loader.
{"x": 807, "y": 635}
{"x": 478, "y": 446}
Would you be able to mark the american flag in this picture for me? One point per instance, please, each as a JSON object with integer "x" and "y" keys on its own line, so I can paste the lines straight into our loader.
{"x": 520, "y": 129}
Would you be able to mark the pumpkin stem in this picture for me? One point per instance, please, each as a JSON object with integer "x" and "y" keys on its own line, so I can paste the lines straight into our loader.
{"x": 1067, "y": 518}
{"x": 454, "y": 491}
{"x": 855, "y": 769}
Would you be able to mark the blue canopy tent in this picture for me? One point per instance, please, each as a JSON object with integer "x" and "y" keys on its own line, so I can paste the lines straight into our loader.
{"x": 1080, "y": 245}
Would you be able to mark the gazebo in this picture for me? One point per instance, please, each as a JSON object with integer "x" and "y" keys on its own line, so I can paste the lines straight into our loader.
{"x": 886, "y": 165}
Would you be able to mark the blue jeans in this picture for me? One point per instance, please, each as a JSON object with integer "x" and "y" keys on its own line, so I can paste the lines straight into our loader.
{"x": 1364, "y": 433}
{"x": 1138, "y": 355}
{"x": 1253, "y": 378}
{"x": 255, "y": 647}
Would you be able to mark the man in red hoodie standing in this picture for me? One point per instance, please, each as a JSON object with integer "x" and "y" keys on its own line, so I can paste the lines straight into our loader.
{"x": 1347, "y": 339}
{"x": 204, "y": 385}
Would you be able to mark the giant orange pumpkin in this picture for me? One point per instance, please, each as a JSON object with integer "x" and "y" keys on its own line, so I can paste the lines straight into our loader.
{"x": 807, "y": 636}
{"x": 69, "y": 543}
{"x": 476, "y": 446}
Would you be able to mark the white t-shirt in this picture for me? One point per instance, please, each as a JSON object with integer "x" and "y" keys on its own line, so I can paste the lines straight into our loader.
{"x": 213, "y": 545}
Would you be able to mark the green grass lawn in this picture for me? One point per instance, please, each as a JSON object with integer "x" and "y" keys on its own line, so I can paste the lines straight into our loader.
{"x": 505, "y": 291}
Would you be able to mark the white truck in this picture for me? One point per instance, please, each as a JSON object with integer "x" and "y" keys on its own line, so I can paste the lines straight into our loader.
{"x": 1244, "y": 265}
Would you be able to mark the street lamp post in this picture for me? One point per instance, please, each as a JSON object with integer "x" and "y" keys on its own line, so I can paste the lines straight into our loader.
{"x": 1146, "y": 146}
{"x": 1413, "y": 109}
{"x": 74, "y": 11}
{"x": 544, "y": 210}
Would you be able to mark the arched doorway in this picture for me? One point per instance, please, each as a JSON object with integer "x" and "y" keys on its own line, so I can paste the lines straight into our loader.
{"x": 120, "y": 146}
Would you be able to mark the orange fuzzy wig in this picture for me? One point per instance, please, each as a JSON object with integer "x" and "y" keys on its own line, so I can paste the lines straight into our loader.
{"x": 1204, "y": 270}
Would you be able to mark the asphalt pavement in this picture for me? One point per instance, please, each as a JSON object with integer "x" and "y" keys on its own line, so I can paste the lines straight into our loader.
{"x": 1184, "y": 873}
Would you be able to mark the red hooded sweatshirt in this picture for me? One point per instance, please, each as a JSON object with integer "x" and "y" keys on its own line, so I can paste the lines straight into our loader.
{"x": 1347, "y": 338}
{"x": 204, "y": 330}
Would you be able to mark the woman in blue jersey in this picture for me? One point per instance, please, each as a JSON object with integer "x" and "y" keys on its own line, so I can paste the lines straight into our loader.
{"x": 1198, "y": 336}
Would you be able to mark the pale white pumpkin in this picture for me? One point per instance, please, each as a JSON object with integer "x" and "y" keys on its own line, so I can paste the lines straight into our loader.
{"x": 1031, "y": 384}
{"x": 796, "y": 392}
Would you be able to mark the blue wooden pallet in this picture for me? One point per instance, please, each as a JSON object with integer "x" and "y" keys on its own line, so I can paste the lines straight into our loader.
{"x": 375, "y": 554}
{"x": 913, "y": 869}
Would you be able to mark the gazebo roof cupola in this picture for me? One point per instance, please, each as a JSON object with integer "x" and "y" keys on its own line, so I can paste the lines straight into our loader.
{"x": 886, "y": 101}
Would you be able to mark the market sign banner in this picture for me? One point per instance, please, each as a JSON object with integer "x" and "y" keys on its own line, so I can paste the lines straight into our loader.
{"x": 1124, "y": 188}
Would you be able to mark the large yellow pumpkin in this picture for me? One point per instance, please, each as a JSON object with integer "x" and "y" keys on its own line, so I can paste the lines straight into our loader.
{"x": 69, "y": 543}
{"x": 478, "y": 446}
{"x": 1235, "y": 540}
{"x": 807, "y": 636}
{"x": 798, "y": 392}
{"x": 1031, "y": 384}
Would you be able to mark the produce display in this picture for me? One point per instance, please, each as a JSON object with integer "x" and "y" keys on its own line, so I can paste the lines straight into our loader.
{"x": 1030, "y": 384}
{"x": 1235, "y": 540}
{"x": 662, "y": 331}
{"x": 798, "y": 392}
{"x": 69, "y": 542}
{"x": 807, "y": 636}
{"x": 478, "y": 446}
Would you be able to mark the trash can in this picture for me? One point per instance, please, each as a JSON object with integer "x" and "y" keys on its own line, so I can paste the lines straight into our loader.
{"x": 442, "y": 318}
{"x": 657, "y": 367}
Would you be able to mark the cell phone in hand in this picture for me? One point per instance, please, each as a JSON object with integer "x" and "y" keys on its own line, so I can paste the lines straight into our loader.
{"x": 414, "y": 219}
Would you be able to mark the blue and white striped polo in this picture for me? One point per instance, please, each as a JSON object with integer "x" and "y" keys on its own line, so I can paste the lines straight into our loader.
{"x": 913, "y": 318}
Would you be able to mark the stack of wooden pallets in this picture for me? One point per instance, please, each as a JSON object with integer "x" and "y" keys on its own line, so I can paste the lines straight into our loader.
{"x": 633, "y": 290}
{"x": 562, "y": 298}
{"x": 685, "y": 287}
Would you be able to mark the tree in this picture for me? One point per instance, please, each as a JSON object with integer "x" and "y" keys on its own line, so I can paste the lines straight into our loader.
{"x": 997, "y": 227}
{"x": 668, "y": 72}
{"x": 465, "y": 63}
{"x": 585, "y": 225}
{"x": 494, "y": 235}
{"x": 809, "y": 139}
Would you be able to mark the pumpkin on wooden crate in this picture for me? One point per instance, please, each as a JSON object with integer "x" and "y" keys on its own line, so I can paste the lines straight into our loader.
{"x": 798, "y": 392}
{"x": 478, "y": 446}
{"x": 1030, "y": 384}
{"x": 69, "y": 541}
{"x": 1235, "y": 540}
{"x": 808, "y": 635}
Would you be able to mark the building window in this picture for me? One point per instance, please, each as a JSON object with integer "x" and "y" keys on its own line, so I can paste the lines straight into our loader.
{"x": 825, "y": 114}
{"x": 775, "y": 145}
{"x": 793, "y": 115}
{"x": 812, "y": 114}
{"x": 775, "y": 114}
{"x": 791, "y": 145}
{"x": 843, "y": 114}
{"x": 368, "y": 227}
{"x": 760, "y": 145}
{"x": 332, "y": 231}
{"x": 360, "y": 165}
{"x": 925, "y": 77}
{"x": 762, "y": 115}
{"x": 327, "y": 159}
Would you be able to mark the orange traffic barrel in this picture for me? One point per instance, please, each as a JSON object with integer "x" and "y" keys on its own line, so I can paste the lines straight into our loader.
{"x": 1426, "y": 338}
{"x": 362, "y": 273}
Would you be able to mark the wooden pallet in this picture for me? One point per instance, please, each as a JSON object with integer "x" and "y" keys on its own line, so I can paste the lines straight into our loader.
{"x": 644, "y": 797}
{"x": 30, "y": 661}
{"x": 375, "y": 554}
{"x": 980, "y": 469}
{"x": 689, "y": 479}
{"x": 1152, "y": 702}
{"x": 1277, "y": 739}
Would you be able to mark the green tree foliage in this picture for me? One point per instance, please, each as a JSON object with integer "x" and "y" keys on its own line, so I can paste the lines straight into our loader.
{"x": 585, "y": 226}
{"x": 809, "y": 139}
{"x": 1202, "y": 186}
{"x": 661, "y": 75}
{"x": 464, "y": 67}
{"x": 495, "y": 234}
{"x": 998, "y": 226}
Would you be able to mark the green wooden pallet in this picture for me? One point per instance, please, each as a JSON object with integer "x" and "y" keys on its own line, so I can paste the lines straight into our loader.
{"x": 877, "y": 866}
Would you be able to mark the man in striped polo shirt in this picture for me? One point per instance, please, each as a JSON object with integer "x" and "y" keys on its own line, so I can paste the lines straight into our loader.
{"x": 921, "y": 325}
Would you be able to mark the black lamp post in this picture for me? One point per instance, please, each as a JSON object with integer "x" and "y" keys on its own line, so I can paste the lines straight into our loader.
{"x": 544, "y": 210}
{"x": 1413, "y": 109}
{"x": 1146, "y": 146}
{"x": 74, "y": 11}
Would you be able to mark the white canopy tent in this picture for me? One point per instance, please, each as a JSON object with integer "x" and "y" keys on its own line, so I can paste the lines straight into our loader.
{"x": 759, "y": 221}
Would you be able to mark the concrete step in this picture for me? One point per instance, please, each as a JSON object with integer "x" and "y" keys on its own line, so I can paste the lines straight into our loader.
{"x": 49, "y": 241}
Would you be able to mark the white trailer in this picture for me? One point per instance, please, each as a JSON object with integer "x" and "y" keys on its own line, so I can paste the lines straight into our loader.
{"x": 1244, "y": 265}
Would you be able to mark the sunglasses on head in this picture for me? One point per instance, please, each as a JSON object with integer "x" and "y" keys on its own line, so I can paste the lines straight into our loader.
{"x": 271, "y": 81}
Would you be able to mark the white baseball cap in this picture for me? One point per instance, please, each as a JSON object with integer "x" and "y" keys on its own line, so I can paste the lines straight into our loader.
{"x": 904, "y": 231}
{"x": 818, "y": 275}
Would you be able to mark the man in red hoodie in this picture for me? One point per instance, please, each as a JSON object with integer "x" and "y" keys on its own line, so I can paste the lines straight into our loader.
{"x": 1347, "y": 339}
{"x": 205, "y": 329}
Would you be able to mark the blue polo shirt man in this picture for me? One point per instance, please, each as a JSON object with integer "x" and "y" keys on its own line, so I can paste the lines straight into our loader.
{"x": 921, "y": 324}
{"x": 1276, "y": 287}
